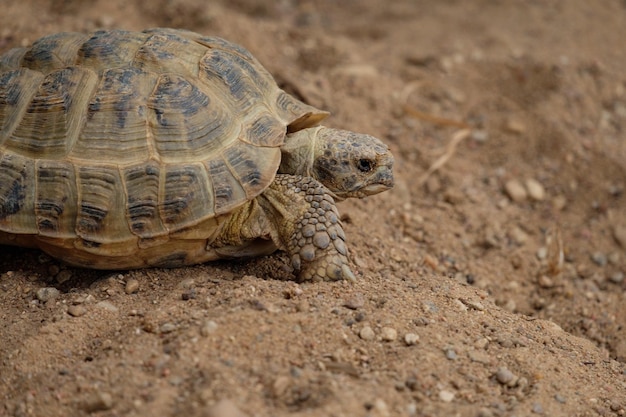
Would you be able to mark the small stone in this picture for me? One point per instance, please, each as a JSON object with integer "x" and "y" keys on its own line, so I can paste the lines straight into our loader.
{"x": 388, "y": 334}
{"x": 545, "y": 281}
{"x": 514, "y": 126}
{"x": 167, "y": 327}
{"x": 53, "y": 270}
{"x": 476, "y": 305}
{"x": 480, "y": 136}
{"x": 355, "y": 302}
{"x": 380, "y": 408}
{"x": 367, "y": 333}
{"x": 560, "y": 398}
{"x": 559, "y": 202}
{"x": 411, "y": 339}
{"x": 505, "y": 377}
{"x": 105, "y": 305}
{"x": 132, "y": 286}
{"x": 446, "y": 396}
{"x": 599, "y": 258}
{"x": 515, "y": 190}
{"x": 481, "y": 343}
{"x": 63, "y": 276}
{"x": 614, "y": 258}
{"x": 224, "y": 408}
{"x": 46, "y": 294}
{"x": 537, "y": 408}
{"x": 431, "y": 262}
{"x": 619, "y": 234}
{"x": 76, "y": 310}
{"x": 542, "y": 253}
{"x": 187, "y": 284}
{"x": 450, "y": 354}
{"x": 518, "y": 236}
{"x": 208, "y": 327}
{"x": 617, "y": 277}
{"x": 535, "y": 190}
{"x": 98, "y": 401}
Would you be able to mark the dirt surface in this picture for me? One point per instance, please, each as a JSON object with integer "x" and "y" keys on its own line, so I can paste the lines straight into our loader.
{"x": 490, "y": 285}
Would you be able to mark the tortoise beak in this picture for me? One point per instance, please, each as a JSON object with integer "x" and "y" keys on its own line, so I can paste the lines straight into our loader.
{"x": 381, "y": 180}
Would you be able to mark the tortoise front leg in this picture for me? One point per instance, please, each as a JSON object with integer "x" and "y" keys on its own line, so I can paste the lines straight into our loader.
{"x": 305, "y": 223}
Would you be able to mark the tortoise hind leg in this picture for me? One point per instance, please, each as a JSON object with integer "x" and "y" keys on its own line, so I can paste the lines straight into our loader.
{"x": 305, "y": 223}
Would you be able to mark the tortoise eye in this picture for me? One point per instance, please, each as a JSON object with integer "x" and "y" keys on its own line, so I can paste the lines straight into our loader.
{"x": 365, "y": 165}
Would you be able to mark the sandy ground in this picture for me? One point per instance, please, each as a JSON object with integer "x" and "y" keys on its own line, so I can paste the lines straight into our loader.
{"x": 462, "y": 307}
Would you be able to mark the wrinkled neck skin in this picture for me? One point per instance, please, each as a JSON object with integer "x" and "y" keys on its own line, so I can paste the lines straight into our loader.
{"x": 299, "y": 151}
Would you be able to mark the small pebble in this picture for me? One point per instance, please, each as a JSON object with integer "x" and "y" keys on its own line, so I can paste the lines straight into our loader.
{"x": 47, "y": 294}
{"x": 476, "y": 305}
{"x": 388, "y": 334}
{"x": 518, "y": 236}
{"x": 480, "y": 135}
{"x": 505, "y": 377}
{"x": 545, "y": 281}
{"x": 167, "y": 327}
{"x": 105, "y": 305}
{"x": 599, "y": 258}
{"x": 98, "y": 401}
{"x": 515, "y": 190}
{"x": 617, "y": 277}
{"x": 411, "y": 339}
{"x": 514, "y": 126}
{"x": 76, "y": 310}
{"x": 224, "y": 408}
{"x": 614, "y": 258}
{"x": 63, "y": 276}
{"x": 132, "y": 286}
{"x": 481, "y": 343}
{"x": 208, "y": 327}
{"x": 380, "y": 408}
{"x": 450, "y": 354}
{"x": 535, "y": 190}
{"x": 619, "y": 233}
{"x": 559, "y": 202}
{"x": 560, "y": 398}
{"x": 542, "y": 253}
{"x": 446, "y": 396}
{"x": 367, "y": 333}
{"x": 355, "y": 302}
{"x": 537, "y": 408}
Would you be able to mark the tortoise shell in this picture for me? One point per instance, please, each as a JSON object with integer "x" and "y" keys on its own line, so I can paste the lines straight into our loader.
{"x": 116, "y": 140}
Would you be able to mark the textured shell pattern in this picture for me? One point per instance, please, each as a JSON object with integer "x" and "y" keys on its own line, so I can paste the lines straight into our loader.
{"x": 120, "y": 138}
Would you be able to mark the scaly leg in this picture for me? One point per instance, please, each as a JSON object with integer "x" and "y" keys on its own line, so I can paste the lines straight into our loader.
{"x": 305, "y": 223}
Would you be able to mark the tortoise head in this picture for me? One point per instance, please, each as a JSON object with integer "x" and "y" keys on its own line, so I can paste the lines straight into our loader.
{"x": 349, "y": 164}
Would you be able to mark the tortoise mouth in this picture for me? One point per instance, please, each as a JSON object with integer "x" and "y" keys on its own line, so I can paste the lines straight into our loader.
{"x": 381, "y": 180}
{"x": 375, "y": 189}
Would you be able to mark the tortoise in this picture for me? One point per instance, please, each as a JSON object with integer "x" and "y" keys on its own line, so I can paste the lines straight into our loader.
{"x": 165, "y": 148}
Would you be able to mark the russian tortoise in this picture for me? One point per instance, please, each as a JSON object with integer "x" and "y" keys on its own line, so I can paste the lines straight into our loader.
{"x": 124, "y": 150}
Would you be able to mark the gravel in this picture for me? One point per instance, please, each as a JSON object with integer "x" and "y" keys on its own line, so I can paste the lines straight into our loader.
{"x": 446, "y": 396}
{"x": 411, "y": 339}
{"x": 367, "y": 333}
{"x": 515, "y": 190}
{"x": 76, "y": 310}
{"x": 506, "y": 377}
{"x": 535, "y": 190}
{"x": 388, "y": 334}
{"x": 98, "y": 401}
{"x": 599, "y": 258}
{"x": 46, "y": 294}
{"x": 132, "y": 286}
